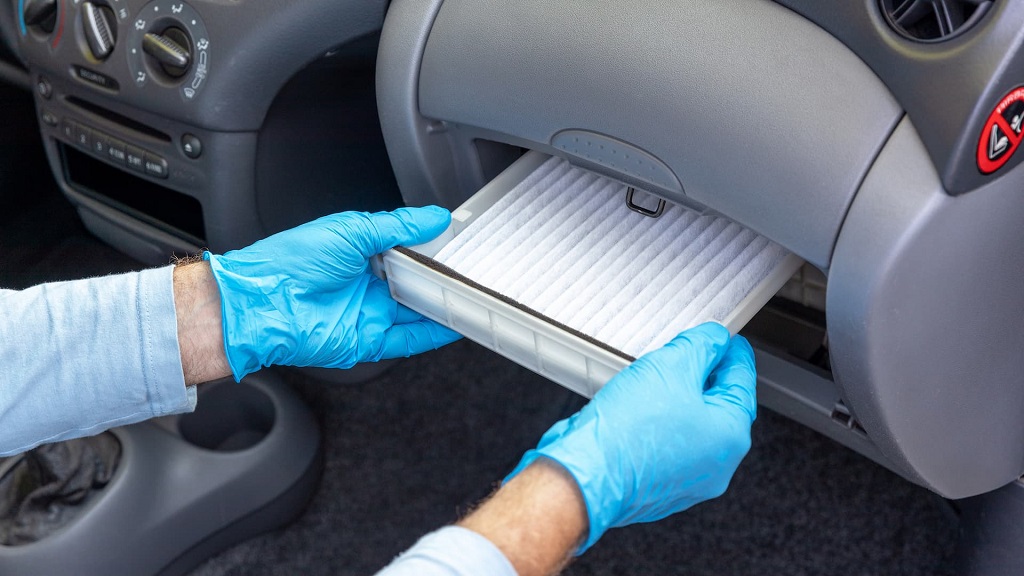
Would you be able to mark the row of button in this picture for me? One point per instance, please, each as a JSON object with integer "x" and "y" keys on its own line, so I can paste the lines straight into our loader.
{"x": 114, "y": 150}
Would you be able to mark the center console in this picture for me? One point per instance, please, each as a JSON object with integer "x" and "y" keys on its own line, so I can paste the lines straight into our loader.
{"x": 174, "y": 126}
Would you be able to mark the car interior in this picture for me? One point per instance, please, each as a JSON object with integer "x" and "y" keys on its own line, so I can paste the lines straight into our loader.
{"x": 867, "y": 149}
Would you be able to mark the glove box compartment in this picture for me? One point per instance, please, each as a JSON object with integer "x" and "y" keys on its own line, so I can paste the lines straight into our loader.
{"x": 550, "y": 266}
{"x": 781, "y": 128}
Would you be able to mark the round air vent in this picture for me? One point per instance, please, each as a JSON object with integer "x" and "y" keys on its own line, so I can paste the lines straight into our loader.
{"x": 933, "y": 20}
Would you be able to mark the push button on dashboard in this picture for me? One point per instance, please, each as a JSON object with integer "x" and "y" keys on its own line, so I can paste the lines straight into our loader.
{"x": 100, "y": 143}
{"x": 49, "y": 118}
{"x": 67, "y": 129}
{"x": 156, "y": 166}
{"x": 44, "y": 88}
{"x": 191, "y": 145}
{"x": 116, "y": 151}
{"x": 135, "y": 158}
{"x": 83, "y": 136}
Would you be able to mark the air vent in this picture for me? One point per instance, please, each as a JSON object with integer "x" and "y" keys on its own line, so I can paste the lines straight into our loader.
{"x": 933, "y": 20}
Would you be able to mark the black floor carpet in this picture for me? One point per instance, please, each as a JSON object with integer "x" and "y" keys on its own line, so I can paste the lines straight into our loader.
{"x": 411, "y": 450}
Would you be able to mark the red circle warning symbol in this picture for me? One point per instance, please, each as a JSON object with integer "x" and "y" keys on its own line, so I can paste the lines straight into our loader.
{"x": 1002, "y": 133}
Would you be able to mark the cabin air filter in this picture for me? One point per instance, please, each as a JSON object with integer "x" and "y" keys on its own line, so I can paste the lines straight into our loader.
{"x": 563, "y": 243}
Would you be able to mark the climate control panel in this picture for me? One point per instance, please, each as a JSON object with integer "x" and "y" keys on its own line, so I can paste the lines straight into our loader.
{"x": 160, "y": 48}
{"x": 169, "y": 46}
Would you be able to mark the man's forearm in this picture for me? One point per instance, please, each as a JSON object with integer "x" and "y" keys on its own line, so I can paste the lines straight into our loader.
{"x": 200, "y": 328}
{"x": 537, "y": 519}
{"x": 83, "y": 356}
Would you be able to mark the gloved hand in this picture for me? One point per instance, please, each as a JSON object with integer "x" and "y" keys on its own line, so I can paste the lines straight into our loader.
{"x": 306, "y": 296}
{"x": 664, "y": 434}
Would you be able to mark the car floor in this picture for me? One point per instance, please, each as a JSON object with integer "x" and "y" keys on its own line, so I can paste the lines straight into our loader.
{"x": 411, "y": 450}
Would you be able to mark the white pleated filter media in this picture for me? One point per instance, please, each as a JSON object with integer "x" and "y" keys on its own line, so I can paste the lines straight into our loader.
{"x": 563, "y": 243}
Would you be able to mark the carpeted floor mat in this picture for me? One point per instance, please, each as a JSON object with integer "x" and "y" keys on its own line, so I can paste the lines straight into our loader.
{"x": 414, "y": 449}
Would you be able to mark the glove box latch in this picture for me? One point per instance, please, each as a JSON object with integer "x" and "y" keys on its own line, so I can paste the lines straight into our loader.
{"x": 658, "y": 211}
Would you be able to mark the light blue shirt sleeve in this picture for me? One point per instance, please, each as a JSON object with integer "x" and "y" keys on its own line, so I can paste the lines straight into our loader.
{"x": 451, "y": 551}
{"x": 77, "y": 358}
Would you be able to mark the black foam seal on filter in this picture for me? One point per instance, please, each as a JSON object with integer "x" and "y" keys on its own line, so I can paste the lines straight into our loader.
{"x": 449, "y": 272}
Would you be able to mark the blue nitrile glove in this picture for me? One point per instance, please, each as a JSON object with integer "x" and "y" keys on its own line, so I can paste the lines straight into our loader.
{"x": 664, "y": 434}
{"x": 306, "y": 296}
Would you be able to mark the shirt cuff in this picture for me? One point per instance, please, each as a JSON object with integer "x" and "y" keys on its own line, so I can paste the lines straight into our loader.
{"x": 451, "y": 551}
{"x": 165, "y": 376}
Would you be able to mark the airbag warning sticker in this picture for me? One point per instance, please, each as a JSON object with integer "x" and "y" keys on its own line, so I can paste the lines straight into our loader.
{"x": 1002, "y": 132}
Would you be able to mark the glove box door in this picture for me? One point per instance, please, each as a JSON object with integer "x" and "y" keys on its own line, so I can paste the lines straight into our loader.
{"x": 550, "y": 266}
{"x": 773, "y": 125}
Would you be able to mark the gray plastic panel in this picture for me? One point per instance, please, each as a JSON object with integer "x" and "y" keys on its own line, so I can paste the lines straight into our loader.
{"x": 948, "y": 104}
{"x": 222, "y": 179}
{"x": 419, "y": 155}
{"x": 758, "y": 113}
{"x": 925, "y": 307}
{"x": 801, "y": 394}
{"x": 144, "y": 243}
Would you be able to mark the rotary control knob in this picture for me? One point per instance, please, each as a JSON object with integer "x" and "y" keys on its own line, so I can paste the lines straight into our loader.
{"x": 99, "y": 27}
{"x": 40, "y": 14}
{"x": 170, "y": 49}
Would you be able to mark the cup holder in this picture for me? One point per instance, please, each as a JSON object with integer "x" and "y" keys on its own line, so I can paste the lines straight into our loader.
{"x": 229, "y": 417}
{"x": 251, "y": 454}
